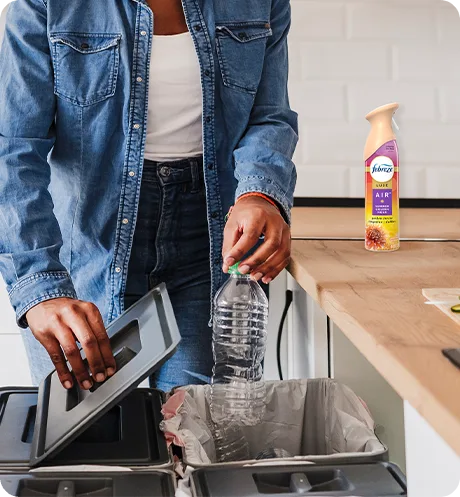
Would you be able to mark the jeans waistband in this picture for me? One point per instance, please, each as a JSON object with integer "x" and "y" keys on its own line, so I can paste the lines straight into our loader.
{"x": 175, "y": 172}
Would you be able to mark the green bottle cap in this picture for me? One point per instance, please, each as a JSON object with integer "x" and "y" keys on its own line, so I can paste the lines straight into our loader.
{"x": 234, "y": 269}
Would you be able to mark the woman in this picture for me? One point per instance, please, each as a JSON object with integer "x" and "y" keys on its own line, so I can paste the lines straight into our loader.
{"x": 128, "y": 130}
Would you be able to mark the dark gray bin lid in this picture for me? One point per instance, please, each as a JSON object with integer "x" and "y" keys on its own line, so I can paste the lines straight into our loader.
{"x": 128, "y": 435}
{"x": 142, "y": 339}
{"x": 75, "y": 484}
{"x": 348, "y": 480}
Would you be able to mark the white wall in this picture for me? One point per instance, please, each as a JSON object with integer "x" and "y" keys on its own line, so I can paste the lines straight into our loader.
{"x": 348, "y": 57}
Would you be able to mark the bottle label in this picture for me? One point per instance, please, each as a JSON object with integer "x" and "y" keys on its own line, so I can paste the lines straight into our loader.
{"x": 382, "y": 198}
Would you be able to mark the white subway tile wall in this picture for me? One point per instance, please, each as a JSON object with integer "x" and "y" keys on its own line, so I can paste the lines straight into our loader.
{"x": 348, "y": 57}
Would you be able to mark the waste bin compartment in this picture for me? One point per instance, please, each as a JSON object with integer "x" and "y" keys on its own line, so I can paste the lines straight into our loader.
{"x": 75, "y": 484}
{"x": 357, "y": 480}
{"x": 128, "y": 434}
{"x": 316, "y": 420}
{"x": 114, "y": 422}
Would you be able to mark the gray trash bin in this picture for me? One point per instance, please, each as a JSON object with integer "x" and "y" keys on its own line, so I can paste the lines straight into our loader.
{"x": 314, "y": 420}
{"x": 77, "y": 484}
{"x": 114, "y": 423}
{"x": 352, "y": 480}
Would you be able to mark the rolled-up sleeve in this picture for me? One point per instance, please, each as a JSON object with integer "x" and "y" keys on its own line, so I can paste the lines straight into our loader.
{"x": 30, "y": 238}
{"x": 263, "y": 158}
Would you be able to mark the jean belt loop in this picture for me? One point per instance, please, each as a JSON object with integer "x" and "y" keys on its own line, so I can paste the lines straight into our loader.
{"x": 195, "y": 175}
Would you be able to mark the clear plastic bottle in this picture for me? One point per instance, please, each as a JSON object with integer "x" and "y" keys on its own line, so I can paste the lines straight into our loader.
{"x": 230, "y": 443}
{"x": 239, "y": 342}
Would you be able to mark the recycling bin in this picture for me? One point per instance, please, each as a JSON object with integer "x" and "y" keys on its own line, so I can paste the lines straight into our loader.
{"x": 114, "y": 423}
{"x": 351, "y": 480}
{"x": 313, "y": 420}
{"x": 75, "y": 484}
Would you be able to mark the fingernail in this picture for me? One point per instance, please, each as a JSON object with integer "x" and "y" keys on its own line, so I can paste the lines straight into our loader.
{"x": 257, "y": 276}
{"x": 230, "y": 261}
{"x": 87, "y": 384}
{"x": 68, "y": 384}
{"x": 267, "y": 280}
{"x": 110, "y": 371}
{"x": 244, "y": 269}
{"x": 100, "y": 377}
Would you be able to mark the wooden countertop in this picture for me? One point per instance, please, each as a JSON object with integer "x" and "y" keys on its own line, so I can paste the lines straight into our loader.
{"x": 376, "y": 300}
{"x": 320, "y": 222}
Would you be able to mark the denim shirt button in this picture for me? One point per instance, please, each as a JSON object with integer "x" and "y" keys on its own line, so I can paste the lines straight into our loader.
{"x": 197, "y": 27}
{"x": 84, "y": 45}
{"x": 137, "y": 126}
{"x": 216, "y": 261}
{"x": 215, "y": 215}
{"x": 131, "y": 173}
{"x": 143, "y": 33}
{"x": 125, "y": 221}
{"x": 207, "y": 72}
{"x": 208, "y": 119}
{"x": 118, "y": 269}
{"x": 210, "y": 166}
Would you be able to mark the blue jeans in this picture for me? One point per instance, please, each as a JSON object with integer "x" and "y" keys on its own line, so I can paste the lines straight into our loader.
{"x": 171, "y": 245}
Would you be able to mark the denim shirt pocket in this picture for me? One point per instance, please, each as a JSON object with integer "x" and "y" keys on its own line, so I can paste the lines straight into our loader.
{"x": 85, "y": 66}
{"x": 240, "y": 51}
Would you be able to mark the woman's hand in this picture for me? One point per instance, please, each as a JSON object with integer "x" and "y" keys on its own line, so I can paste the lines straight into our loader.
{"x": 250, "y": 218}
{"x": 57, "y": 323}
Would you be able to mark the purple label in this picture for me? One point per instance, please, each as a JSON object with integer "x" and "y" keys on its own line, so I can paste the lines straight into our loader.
{"x": 382, "y": 203}
{"x": 389, "y": 149}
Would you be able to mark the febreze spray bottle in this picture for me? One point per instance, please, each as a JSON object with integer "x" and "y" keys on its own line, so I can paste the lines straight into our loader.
{"x": 382, "y": 182}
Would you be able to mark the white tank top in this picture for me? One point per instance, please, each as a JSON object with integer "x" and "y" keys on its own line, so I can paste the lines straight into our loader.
{"x": 174, "y": 127}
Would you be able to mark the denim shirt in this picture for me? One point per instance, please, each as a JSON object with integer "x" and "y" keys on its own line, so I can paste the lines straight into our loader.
{"x": 73, "y": 101}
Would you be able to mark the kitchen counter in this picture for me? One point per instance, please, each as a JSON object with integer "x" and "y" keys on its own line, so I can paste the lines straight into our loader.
{"x": 376, "y": 300}
{"x": 324, "y": 222}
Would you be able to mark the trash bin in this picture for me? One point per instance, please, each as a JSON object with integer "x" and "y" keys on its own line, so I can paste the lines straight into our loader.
{"x": 357, "y": 480}
{"x": 313, "y": 420}
{"x": 352, "y": 480}
{"x": 324, "y": 427}
{"x": 114, "y": 423}
{"x": 127, "y": 435}
{"x": 76, "y": 484}
{"x": 110, "y": 440}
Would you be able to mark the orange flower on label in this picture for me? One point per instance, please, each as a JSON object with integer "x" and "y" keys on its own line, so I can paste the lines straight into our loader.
{"x": 376, "y": 237}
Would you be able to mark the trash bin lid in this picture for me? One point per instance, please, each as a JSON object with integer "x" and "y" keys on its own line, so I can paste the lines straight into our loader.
{"x": 142, "y": 339}
{"x": 350, "y": 480}
{"x": 116, "y": 484}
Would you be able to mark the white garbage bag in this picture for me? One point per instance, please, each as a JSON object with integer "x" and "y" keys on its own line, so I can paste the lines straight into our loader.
{"x": 312, "y": 420}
